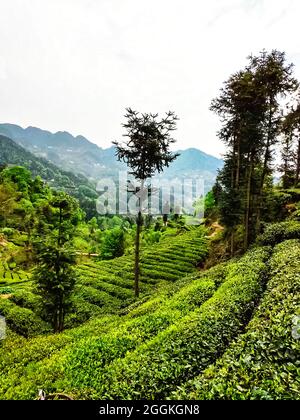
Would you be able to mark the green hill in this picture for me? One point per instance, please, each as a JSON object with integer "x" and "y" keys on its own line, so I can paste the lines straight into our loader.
{"x": 13, "y": 154}
{"x": 76, "y": 185}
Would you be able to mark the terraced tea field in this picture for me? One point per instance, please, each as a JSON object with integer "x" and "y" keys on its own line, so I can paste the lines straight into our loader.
{"x": 224, "y": 333}
{"x": 107, "y": 286}
{"x": 168, "y": 261}
{"x": 9, "y": 275}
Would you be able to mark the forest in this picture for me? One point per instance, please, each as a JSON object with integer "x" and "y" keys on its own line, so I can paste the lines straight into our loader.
{"x": 146, "y": 306}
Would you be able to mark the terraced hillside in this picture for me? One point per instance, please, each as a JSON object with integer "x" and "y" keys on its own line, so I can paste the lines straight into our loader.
{"x": 225, "y": 333}
{"x": 264, "y": 361}
{"x": 107, "y": 286}
{"x": 9, "y": 275}
{"x": 169, "y": 261}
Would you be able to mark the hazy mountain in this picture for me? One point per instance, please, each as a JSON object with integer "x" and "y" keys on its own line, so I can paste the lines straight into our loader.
{"x": 79, "y": 155}
{"x": 13, "y": 154}
{"x": 75, "y": 154}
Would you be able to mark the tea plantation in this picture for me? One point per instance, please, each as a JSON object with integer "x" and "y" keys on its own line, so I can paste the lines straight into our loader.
{"x": 229, "y": 332}
{"x": 104, "y": 287}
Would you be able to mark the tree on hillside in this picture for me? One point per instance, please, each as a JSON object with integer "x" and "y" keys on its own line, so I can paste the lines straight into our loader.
{"x": 8, "y": 200}
{"x": 146, "y": 151}
{"x": 250, "y": 110}
{"x": 113, "y": 243}
{"x": 290, "y": 152}
{"x": 19, "y": 176}
{"x": 274, "y": 80}
{"x": 54, "y": 275}
{"x": 241, "y": 109}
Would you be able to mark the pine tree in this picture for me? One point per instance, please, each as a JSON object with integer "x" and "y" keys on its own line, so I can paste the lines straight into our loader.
{"x": 146, "y": 151}
{"x": 54, "y": 275}
{"x": 240, "y": 109}
{"x": 290, "y": 152}
{"x": 273, "y": 81}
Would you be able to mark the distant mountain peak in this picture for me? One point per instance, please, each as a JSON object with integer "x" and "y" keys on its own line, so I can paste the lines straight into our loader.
{"x": 81, "y": 156}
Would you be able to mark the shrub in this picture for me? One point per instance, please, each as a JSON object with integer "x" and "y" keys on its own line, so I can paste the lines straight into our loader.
{"x": 113, "y": 244}
{"x": 86, "y": 361}
{"x": 6, "y": 290}
{"x": 26, "y": 299}
{"x": 279, "y": 232}
{"x": 264, "y": 362}
{"x": 191, "y": 343}
{"x": 21, "y": 320}
{"x": 8, "y": 232}
{"x": 81, "y": 312}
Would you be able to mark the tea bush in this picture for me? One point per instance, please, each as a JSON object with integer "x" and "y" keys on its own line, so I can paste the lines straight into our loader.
{"x": 264, "y": 362}
{"x": 188, "y": 345}
{"x": 279, "y": 232}
{"x": 22, "y": 320}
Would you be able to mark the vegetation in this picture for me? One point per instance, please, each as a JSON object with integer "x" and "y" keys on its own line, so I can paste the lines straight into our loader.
{"x": 146, "y": 152}
{"x": 290, "y": 152}
{"x": 54, "y": 275}
{"x": 263, "y": 363}
{"x": 76, "y": 185}
{"x": 250, "y": 108}
{"x": 195, "y": 312}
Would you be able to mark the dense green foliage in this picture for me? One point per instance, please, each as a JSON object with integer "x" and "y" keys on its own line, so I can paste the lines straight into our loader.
{"x": 149, "y": 333}
{"x": 278, "y": 232}
{"x": 250, "y": 108}
{"x": 290, "y": 152}
{"x": 109, "y": 307}
{"x": 263, "y": 363}
{"x": 185, "y": 325}
{"x": 77, "y": 185}
{"x": 107, "y": 286}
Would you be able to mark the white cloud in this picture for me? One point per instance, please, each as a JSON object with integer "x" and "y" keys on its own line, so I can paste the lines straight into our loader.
{"x": 76, "y": 64}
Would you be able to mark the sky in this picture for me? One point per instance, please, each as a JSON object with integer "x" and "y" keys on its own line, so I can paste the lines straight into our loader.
{"x": 75, "y": 65}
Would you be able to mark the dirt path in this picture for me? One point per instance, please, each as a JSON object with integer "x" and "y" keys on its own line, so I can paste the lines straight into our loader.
{"x": 85, "y": 254}
{"x": 216, "y": 229}
{"x": 3, "y": 242}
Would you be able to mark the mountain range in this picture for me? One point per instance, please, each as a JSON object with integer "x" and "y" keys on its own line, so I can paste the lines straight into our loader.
{"x": 82, "y": 157}
{"x": 77, "y": 185}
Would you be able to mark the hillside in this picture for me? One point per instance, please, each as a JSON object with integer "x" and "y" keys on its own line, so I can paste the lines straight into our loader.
{"x": 13, "y": 154}
{"x": 79, "y": 155}
{"x": 105, "y": 287}
{"x": 218, "y": 334}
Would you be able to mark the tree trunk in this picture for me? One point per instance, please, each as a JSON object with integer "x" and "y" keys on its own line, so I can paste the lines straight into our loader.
{"x": 137, "y": 255}
{"x": 61, "y": 316}
{"x": 264, "y": 172}
{"x": 55, "y": 321}
{"x": 60, "y": 227}
{"x": 298, "y": 165}
{"x": 139, "y": 223}
{"x": 232, "y": 244}
{"x": 235, "y": 180}
{"x": 238, "y": 166}
{"x": 248, "y": 205}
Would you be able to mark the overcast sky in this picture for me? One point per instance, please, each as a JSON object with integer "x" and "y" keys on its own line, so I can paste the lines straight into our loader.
{"x": 74, "y": 65}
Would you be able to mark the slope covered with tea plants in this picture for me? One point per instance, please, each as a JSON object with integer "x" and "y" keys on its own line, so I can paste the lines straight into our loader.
{"x": 104, "y": 287}
{"x": 264, "y": 361}
{"x": 227, "y": 332}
